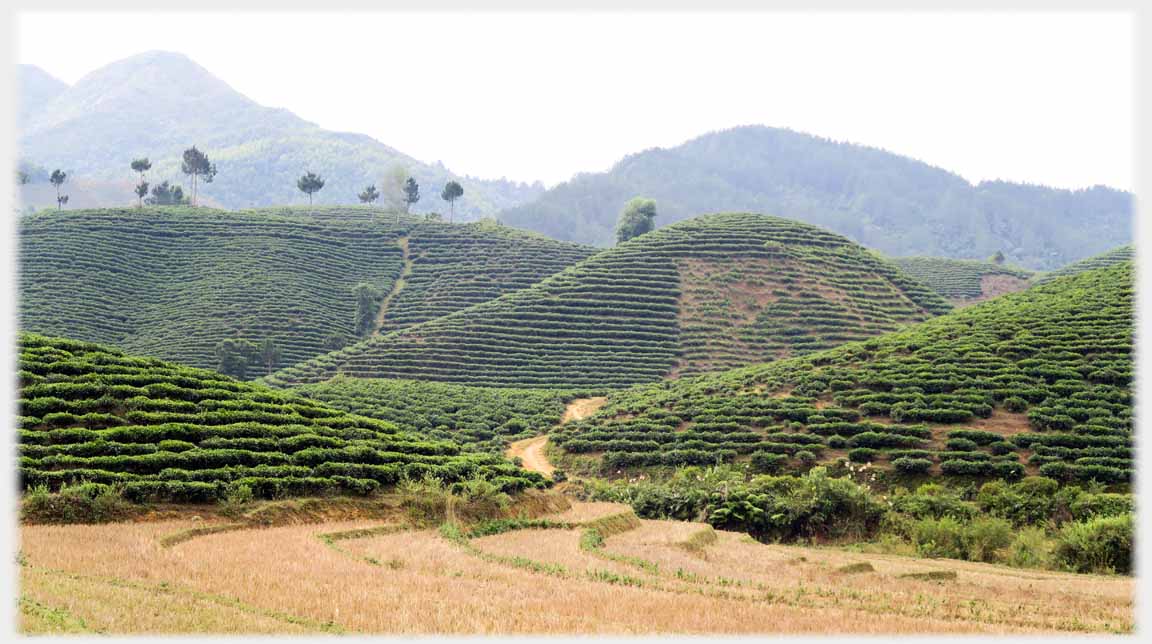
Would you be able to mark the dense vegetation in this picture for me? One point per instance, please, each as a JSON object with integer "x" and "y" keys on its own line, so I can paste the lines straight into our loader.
{"x": 159, "y": 431}
{"x": 175, "y": 282}
{"x": 156, "y": 104}
{"x": 1036, "y": 522}
{"x": 481, "y": 418}
{"x": 1032, "y": 382}
{"x": 962, "y": 280}
{"x": 884, "y": 201}
{"x": 713, "y": 292}
{"x": 1111, "y": 258}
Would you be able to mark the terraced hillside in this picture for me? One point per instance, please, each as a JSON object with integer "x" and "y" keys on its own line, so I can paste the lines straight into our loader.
{"x": 174, "y": 282}
{"x": 480, "y": 418}
{"x": 963, "y": 281}
{"x": 1111, "y": 258}
{"x": 1032, "y": 382}
{"x": 705, "y": 294}
{"x": 167, "y": 432}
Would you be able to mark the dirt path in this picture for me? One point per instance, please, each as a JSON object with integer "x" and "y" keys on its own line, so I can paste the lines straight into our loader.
{"x": 531, "y": 453}
{"x": 397, "y": 286}
{"x": 582, "y": 408}
{"x": 531, "y": 450}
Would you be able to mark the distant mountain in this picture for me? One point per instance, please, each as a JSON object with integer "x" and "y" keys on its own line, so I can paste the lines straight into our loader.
{"x": 37, "y": 88}
{"x": 882, "y": 200}
{"x": 157, "y": 104}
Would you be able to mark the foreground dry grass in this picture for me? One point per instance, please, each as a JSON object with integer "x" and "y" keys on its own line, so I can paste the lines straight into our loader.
{"x": 661, "y": 577}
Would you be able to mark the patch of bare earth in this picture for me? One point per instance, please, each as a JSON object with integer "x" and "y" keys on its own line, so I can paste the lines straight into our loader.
{"x": 994, "y": 286}
{"x": 582, "y": 408}
{"x": 530, "y": 451}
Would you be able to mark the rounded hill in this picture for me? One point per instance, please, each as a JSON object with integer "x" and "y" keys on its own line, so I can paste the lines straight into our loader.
{"x": 705, "y": 294}
{"x": 964, "y": 281}
{"x": 1037, "y": 382}
{"x": 1111, "y": 258}
{"x": 174, "y": 282}
{"x": 89, "y": 414}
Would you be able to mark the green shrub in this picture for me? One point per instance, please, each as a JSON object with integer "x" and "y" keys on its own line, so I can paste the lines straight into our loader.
{"x": 984, "y": 538}
{"x": 1032, "y": 501}
{"x": 84, "y": 503}
{"x": 946, "y": 537}
{"x": 943, "y": 537}
{"x": 932, "y": 500}
{"x": 768, "y": 462}
{"x": 1015, "y": 404}
{"x": 912, "y": 465}
{"x": 805, "y": 507}
{"x": 1101, "y": 545}
{"x": 1090, "y": 506}
{"x": 1030, "y": 548}
{"x": 961, "y": 445}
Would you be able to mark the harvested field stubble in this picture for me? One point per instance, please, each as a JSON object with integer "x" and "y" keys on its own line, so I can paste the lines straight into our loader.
{"x": 286, "y": 580}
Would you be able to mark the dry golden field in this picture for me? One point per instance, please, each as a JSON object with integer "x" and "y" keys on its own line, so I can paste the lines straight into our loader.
{"x": 643, "y": 577}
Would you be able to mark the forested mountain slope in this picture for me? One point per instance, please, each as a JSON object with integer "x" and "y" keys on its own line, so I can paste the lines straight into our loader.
{"x": 174, "y": 282}
{"x": 94, "y": 415}
{"x": 881, "y": 200}
{"x": 1031, "y": 382}
{"x": 713, "y": 292}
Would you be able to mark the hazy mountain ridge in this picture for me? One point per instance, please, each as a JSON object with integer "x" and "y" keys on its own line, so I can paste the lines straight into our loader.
{"x": 892, "y": 203}
{"x": 156, "y": 104}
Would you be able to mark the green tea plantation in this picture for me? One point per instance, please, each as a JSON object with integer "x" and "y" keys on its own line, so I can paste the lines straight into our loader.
{"x": 164, "y": 432}
{"x": 706, "y": 294}
{"x": 483, "y": 418}
{"x": 1111, "y": 258}
{"x": 174, "y": 282}
{"x": 963, "y": 281}
{"x": 1037, "y": 382}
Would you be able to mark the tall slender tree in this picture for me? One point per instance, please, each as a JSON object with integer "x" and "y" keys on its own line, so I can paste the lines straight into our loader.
{"x": 270, "y": 354}
{"x": 196, "y": 164}
{"x": 309, "y": 184}
{"x": 452, "y": 191}
{"x": 58, "y": 177}
{"x": 141, "y": 192}
{"x": 411, "y": 194}
{"x": 141, "y": 166}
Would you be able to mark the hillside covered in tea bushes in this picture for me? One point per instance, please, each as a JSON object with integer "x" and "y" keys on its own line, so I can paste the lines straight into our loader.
{"x": 710, "y": 293}
{"x": 1111, "y": 258}
{"x": 962, "y": 281}
{"x": 483, "y": 418}
{"x": 173, "y": 282}
{"x": 89, "y": 414}
{"x": 1037, "y": 382}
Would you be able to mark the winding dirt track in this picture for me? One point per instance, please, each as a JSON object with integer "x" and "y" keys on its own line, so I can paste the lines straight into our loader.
{"x": 531, "y": 453}
{"x": 531, "y": 450}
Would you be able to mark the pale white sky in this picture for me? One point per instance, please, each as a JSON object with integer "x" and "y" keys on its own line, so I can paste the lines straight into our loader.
{"x": 1042, "y": 98}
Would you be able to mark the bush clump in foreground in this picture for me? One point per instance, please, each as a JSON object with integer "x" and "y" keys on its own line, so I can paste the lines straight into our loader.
{"x": 1034, "y": 523}
{"x": 1102, "y": 545}
{"x": 81, "y": 503}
